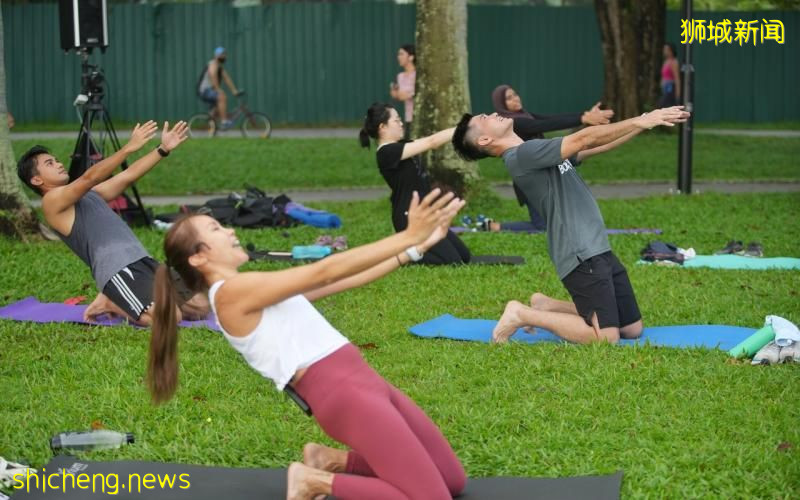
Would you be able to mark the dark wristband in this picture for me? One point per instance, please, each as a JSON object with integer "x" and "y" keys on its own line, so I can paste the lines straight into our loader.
{"x": 162, "y": 152}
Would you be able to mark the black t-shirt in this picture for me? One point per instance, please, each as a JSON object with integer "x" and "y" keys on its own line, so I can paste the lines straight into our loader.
{"x": 403, "y": 177}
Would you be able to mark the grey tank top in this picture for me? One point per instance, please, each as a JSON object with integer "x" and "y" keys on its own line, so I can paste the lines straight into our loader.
{"x": 102, "y": 239}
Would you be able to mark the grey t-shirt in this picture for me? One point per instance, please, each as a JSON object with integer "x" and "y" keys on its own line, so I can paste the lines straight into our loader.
{"x": 575, "y": 227}
{"x": 102, "y": 239}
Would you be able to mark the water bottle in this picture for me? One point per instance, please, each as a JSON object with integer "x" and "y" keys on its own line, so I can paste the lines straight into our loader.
{"x": 90, "y": 440}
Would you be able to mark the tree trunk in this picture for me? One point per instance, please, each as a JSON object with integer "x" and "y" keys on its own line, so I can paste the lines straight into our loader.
{"x": 632, "y": 32}
{"x": 442, "y": 89}
{"x": 17, "y": 218}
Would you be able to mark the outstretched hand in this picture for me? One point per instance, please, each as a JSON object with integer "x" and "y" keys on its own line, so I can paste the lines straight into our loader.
{"x": 667, "y": 117}
{"x": 427, "y": 216}
{"x": 438, "y": 234}
{"x": 140, "y": 135}
{"x": 171, "y": 139}
{"x": 597, "y": 116}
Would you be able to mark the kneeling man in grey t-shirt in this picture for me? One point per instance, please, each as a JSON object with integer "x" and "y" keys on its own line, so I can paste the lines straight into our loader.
{"x": 603, "y": 303}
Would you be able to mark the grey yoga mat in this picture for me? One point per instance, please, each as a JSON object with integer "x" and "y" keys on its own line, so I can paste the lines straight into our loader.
{"x": 215, "y": 483}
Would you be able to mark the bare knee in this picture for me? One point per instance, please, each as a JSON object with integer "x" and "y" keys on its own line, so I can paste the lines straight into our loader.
{"x": 632, "y": 331}
{"x": 609, "y": 334}
{"x": 196, "y": 308}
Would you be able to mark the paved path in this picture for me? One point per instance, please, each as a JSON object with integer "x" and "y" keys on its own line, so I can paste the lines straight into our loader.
{"x": 601, "y": 191}
{"x": 351, "y": 133}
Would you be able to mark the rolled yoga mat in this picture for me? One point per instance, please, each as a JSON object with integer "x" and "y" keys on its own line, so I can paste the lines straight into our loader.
{"x": 751, "y": 345}
{"x": 215, "y": 483}
{"x": 30, "y": 309}
{"x": 480, "y": 330}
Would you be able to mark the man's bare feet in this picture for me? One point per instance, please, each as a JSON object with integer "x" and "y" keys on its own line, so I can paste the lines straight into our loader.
{"x": 305, "y": 483}
{"x": 539, "y": 301}
{"x": 509, "y": 322}
{"x": 324, "y": 458}
{"x": 100, "y": 305}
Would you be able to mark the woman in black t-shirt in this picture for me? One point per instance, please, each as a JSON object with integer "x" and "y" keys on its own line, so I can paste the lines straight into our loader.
{"x": 400, "y": 166}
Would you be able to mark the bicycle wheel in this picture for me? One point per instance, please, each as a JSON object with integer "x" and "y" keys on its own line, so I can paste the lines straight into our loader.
{"x": 202, "y": 125}
{"x": 256, "y": 125}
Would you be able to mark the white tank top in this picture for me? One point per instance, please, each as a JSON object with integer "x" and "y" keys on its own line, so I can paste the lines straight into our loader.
{"x": 290, "y": 336}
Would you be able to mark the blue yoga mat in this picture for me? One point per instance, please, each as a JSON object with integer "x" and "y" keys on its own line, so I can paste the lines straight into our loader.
{"x": 740, "y": 262}
{"x": 480, "y": 330}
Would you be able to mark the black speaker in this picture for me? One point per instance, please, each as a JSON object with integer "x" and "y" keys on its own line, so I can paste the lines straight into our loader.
{"x": 84, "y": 24}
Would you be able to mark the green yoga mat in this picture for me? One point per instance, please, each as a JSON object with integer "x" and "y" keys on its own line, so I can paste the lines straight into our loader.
{"x": 740, "y": 262}
{"x": 753, "y": 343}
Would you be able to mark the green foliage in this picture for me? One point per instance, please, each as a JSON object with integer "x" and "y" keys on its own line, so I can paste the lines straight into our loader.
{"x": 680, "y": 423}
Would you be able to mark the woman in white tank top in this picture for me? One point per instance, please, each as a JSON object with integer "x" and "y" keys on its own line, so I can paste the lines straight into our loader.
{"x": 396, "y": 452}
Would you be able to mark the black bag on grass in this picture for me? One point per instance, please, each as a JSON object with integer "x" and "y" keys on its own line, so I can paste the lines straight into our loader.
{"x": 254, "y": 209}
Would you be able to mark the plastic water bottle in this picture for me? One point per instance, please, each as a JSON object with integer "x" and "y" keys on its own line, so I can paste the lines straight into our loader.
{"x": 90, "y": 440}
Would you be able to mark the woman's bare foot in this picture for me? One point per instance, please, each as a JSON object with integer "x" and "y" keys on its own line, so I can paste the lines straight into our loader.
{"x": 509, "y": 322}
{"x": 305, "y": 482}
{"x": 324, "y": 458}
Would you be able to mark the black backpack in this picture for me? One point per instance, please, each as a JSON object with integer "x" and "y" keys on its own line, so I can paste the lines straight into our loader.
{"x": 254, "y": 209}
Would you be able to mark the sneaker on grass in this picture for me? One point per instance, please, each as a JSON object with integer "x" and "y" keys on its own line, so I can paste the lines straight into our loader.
{"x": 767, "y": 355}
{"x": 790, "y": 353}
{"x": 8, "y": 471}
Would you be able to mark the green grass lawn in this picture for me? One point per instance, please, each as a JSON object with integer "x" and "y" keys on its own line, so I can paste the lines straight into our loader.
{"x": 681, "y": 423}
{"x": 212, "y": 166}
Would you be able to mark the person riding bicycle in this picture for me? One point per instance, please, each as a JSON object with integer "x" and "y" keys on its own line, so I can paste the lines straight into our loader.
{"x": 209, "y": 87}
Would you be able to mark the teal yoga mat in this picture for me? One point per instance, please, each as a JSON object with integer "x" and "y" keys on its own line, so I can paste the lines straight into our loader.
{"x": 740, "y": 262}
{"x": 480, "y": 330}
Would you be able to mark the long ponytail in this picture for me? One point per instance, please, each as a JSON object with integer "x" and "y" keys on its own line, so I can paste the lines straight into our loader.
{"x": 377, "y": 115}
{"x": 180, "y": 243}
{"x": 162, "y": 370}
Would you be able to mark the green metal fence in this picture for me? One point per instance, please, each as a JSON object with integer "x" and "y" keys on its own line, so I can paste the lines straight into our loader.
{"x": 326, "y": 62}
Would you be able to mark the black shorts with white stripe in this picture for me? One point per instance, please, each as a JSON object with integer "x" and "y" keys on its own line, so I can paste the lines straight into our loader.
{"x": 132, "y": 288}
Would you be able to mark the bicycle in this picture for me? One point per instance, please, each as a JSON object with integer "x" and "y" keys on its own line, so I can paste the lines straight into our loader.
{"x": 251, "y": 123}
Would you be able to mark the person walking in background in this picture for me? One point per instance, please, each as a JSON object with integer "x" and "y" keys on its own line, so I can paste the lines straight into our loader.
{"x": 670, "y": 78}
{"x": 209, "y": 88}
{"x": 403, "y": 89}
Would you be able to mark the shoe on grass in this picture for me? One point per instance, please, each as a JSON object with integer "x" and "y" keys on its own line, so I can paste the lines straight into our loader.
{"x": 767, "y": 355}
{"x": 733, "y": 247}
{"x": 8, "y": 470}
{"x": 790, "y": 353}
{"x": 754, "y": 249}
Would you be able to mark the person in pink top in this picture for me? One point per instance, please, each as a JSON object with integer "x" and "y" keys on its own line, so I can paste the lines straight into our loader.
{"x": 670, "y": 78}
{"x": 403, "y": 89}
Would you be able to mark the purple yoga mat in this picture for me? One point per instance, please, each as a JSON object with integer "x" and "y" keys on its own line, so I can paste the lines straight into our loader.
{"x": 30, "y": 309}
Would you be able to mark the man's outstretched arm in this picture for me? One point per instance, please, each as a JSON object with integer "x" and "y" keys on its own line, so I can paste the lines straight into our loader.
{"x": 600, "y": 135}
{"x": 608, "y": 147}
{"x": 170, "y": 139}
{"x": 60, "y": 199}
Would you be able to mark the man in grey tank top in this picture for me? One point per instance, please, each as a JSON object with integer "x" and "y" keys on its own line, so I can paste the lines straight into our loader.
{"x": 603, "y": 305}
{"x": 78, "y": 211}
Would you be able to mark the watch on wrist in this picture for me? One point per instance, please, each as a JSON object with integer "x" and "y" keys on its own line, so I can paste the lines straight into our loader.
{"x": 413, "y": 254}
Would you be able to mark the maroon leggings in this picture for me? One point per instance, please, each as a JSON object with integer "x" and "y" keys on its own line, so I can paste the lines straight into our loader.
{"x": 397, "y": 452}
